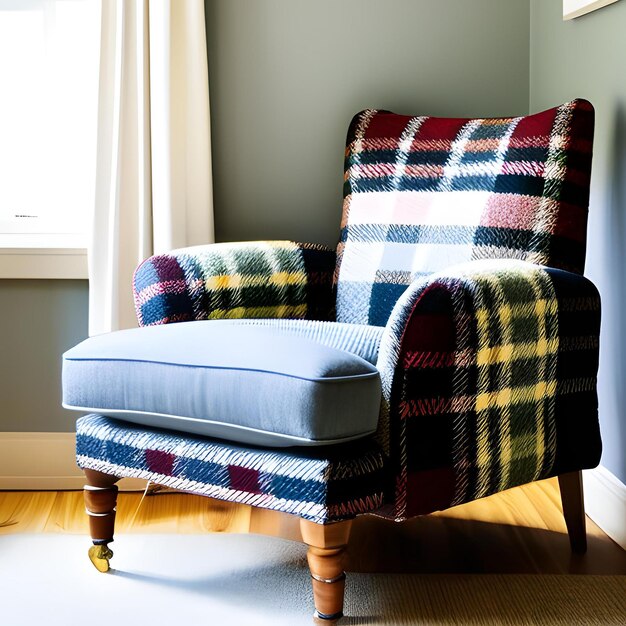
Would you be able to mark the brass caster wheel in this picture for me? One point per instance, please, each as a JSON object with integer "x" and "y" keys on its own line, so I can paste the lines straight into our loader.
{"x": 100, "y": 555}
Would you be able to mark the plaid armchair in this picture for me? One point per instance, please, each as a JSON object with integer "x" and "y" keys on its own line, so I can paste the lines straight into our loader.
{"x": 458, "y": 276}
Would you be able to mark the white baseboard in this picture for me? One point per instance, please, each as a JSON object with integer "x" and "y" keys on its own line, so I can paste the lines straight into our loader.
{"x": 605, "y": 502}
{"x": 45, "y": 461}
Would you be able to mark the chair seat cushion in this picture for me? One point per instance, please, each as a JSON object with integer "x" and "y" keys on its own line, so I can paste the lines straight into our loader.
{"x": 359, "y": 339}
{"x": 252, "y": 383}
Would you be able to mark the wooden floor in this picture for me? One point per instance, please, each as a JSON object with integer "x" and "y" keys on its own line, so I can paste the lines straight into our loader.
{"x": 518, "y": 531}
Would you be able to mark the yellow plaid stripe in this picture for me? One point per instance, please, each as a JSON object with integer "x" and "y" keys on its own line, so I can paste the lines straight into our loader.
{"x": 506, "y": 353}
{"x": 239, "y": 281}
{"x": 515, "y": 395}
{"x": 274, "y": 312}
{"x": 495, "y": 392}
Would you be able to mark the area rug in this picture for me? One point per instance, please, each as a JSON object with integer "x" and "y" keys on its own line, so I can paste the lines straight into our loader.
{"x": 234, "y": 580}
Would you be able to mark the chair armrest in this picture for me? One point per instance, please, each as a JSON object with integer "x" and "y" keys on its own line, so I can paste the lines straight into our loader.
{"x": 489, "y": 381}
{"x": 262, "y": 279}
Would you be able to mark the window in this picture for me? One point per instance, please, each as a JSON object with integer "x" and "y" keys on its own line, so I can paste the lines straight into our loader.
{"x": 49, "y": 53}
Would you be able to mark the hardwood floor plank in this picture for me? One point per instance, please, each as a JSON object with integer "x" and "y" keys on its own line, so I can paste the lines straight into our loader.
{"x": 67, "y": 514}
{"x": 518, "y": 531}
{"x": 25, "y": 512}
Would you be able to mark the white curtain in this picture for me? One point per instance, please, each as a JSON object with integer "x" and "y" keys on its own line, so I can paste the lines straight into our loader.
{"x": 153, "y": 173}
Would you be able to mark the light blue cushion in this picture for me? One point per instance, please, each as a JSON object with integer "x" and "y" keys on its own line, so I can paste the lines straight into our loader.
{"x": 360, "y": 339}
{"x": 251, "y": 383}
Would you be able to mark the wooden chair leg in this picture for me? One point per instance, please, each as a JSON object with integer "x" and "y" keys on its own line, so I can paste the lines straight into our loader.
{"x": 571, "y": 486}
{"x": 100, "y": 494}
{"x": 327, "y": 544}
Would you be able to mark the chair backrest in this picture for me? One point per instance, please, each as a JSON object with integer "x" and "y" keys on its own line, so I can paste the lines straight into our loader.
{"x": 424, "y": 193}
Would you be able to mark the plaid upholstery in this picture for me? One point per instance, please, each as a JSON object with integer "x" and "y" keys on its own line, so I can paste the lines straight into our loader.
{"x": 488, "y": 366}
{"x": 266, "y": 279}
{"x": 321, "y": 487}
{"x": 425, "y": 193}
{"x": 489, "y": 374}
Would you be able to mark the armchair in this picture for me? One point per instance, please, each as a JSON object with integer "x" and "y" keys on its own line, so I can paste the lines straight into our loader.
{"x": 448, "y": 351}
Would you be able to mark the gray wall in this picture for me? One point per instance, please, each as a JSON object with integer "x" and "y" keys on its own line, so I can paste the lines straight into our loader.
{"x": 288, "y": 75}
{"x": 39, "y": 320}
{"x": 585, "y": 57}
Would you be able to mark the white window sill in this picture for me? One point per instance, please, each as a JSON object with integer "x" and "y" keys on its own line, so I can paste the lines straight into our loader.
{"x": 43, "y": 256}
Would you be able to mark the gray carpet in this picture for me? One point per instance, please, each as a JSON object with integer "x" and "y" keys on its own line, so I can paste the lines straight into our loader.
{"x": 246, "y": 579}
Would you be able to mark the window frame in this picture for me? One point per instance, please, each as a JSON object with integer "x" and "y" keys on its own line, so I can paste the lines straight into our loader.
{"x": 49, "y": 256}
{"x": 43, "y": 251}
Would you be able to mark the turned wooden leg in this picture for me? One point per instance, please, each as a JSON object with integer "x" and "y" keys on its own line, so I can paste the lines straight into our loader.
{"x": 571, "y": 486}
{"x": 100, "y": 498}
{"x": 327, "y": 544}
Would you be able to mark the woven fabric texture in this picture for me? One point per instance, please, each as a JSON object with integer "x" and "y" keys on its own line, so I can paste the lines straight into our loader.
{"x": 322, "y": 487}
{"x": 265, "y": 279}
{"x": 489, "y": 379}
{"x": 424, "y": 193}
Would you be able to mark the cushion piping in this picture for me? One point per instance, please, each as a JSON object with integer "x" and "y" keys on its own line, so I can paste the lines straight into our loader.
{"x": 324, "y": 379}
{"x": 226, "y": 426}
